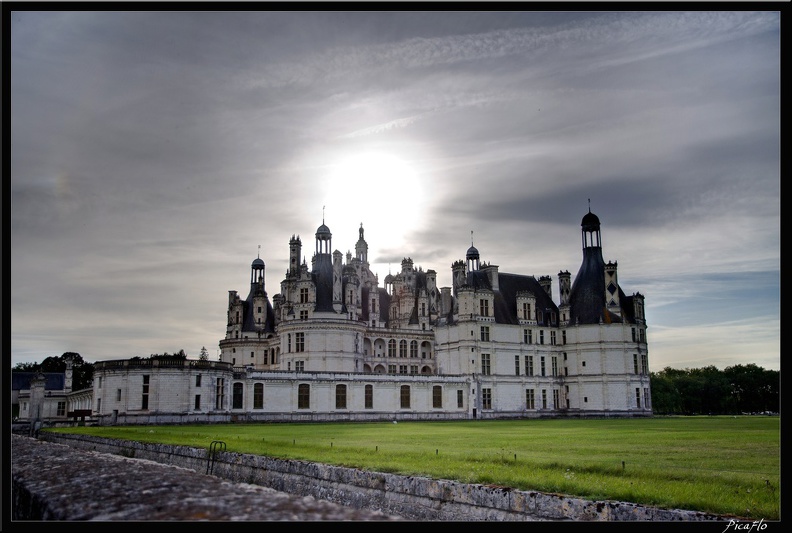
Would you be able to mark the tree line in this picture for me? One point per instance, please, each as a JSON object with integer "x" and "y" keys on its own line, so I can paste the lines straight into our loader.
{"x": 737, "y": 389}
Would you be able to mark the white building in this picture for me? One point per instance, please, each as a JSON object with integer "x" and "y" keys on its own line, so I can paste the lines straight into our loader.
{"x": 333, "y": 345}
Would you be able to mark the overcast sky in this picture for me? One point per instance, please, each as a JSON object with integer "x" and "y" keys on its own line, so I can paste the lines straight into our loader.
{"x": 153, "y": 153}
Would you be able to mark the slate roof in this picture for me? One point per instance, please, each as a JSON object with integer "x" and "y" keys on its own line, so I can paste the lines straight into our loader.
{"x": 322, "y": 275}
{"x": 54, "y": 380}
{"x": 587, "y": 295}
{"x": 509, "y": 285}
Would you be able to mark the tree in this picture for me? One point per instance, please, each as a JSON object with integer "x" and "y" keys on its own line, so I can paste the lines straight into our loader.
{"x": 82, "y": 372}
{"x": 204, "y": 356}
{"x": 707, "y": 390}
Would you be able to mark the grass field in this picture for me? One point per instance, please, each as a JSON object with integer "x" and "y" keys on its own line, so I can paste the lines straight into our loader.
{"x": 723, "y": 465}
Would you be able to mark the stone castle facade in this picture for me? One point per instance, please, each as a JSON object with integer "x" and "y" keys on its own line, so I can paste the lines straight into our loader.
{"x": 334, "y": 345}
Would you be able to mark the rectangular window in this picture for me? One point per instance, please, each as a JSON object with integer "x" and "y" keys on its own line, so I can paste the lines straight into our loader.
{"x": 633, "y": 334}
{"x": 303, "y": 296}
{"x": 644, "y": 366}
{"x": 486, "y": 398}
{"x": 304, "y": 396}
{"x": 485, "y": 333}
{"x": 100, "y": 383}
{"x": 556, "y": 402}
{"x": 554, "y": 363}
{"x": 541, "y": 336}
{"x": 553, "y": 338}
{"x": 303, "y": 315}
{"x": 405, "y": 396}
{"x": 392, "y": 348}
{"x": 526, "y": 310}
{"x": 529, "y": 399}
{"x": 527, "y": 337}
{"x": 542, "y": 366}
{"x": 237, "y": 396}
{"x": 197, "y": 402}
{"x": 460, "y": 399}
{"x": 220, "y": 394}
{"x": 529, "y": 371}
{"x": 414, "y": 349}
{"x": 118, "y": 395}
{"x": 635, "y": 363}
{"x": 145, "y": 402}
{"x": 369, "y": 397}
{"x": 516, "y": 365}
{"x": 544, "y": 399}
{"x": 646, "y": 398}
{"x": 413, "y": 369}
{"x": 198, "y": 380}
{"x": 484, "y": 307}
{"x": 437, "y": 397}
{"x": 563, "y": 337}
{"x": 402, "y": 369}
{"x": 258, "y": 396}
{"x": 61, "y": 409}
{"x": 299, "y": 342}
{"x": 341, "y": 396}
{"x": 98, "y": 405}
{"x": 637, "y": 397}
{"x": 485, "y": 364}
{"x": 299, "y": 366}
{"x": 391, "y": 369}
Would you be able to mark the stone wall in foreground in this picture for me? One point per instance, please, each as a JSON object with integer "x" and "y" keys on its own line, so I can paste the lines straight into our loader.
{"x": 409, "y": 497}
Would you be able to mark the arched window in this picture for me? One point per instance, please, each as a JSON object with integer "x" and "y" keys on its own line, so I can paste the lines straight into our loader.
{"x": 392, "y": 348}
{"x": 414, "y": 349}
{"x": 403, "y": 348}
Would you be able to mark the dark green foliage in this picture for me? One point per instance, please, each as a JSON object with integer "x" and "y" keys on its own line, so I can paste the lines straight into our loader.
{"x": 708, "y": 390}
{"x": 82, "y": 371}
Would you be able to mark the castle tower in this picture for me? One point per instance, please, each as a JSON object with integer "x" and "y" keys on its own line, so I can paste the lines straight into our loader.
{"x": 69, "y": 375}
{"x": 564, "y": 285}
{"x": 324, "y": 240}
{"x": 612, "y": 287}
{"x": 547, "y": 284}
{"x": 257, "y": 275}
{"x": 587, "y": 295}
{"x": 472, "y": 257}
{"x": 337, "y": 279}
{"x": 361, "y": 247}
{"x": 295, "y": 250}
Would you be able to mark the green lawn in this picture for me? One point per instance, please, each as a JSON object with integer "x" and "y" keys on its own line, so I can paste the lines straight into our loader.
{"x": 723, "y": 465}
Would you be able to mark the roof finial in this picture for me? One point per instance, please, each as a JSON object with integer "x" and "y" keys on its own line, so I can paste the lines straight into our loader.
{"x": 323, "y": 207}
{"x": 471, "y": 237}
{"x": 259, "y": 252}
{"x": 589, "y": 205}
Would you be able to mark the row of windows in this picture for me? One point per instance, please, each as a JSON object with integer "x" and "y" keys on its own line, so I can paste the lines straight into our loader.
{"x": 530, "y": 398}
{"x": 528, "y": 337}
{"x": 304, "y": 396}
{"x": 529, "y": 365}
{"x": 525, "y": 311}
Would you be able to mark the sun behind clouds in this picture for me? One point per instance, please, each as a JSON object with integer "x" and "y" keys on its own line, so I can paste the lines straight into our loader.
{"x": 378, "y": 189}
